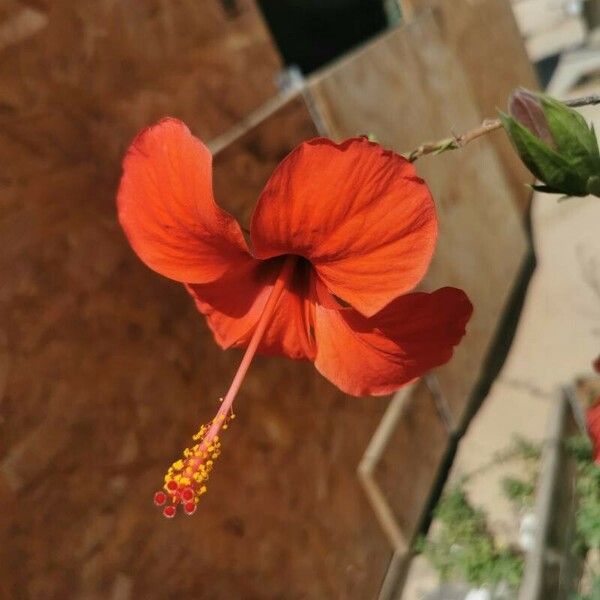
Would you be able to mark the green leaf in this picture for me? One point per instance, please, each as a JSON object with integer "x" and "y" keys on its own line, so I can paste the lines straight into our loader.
{"x": 597, "y": 163}
{"x": 575, "y": 140}
{"x": 593, "y": 185}
{"x": 448, "y": 144}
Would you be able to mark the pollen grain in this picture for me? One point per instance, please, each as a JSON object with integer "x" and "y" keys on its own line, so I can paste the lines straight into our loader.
{"x": 185, "y": 480}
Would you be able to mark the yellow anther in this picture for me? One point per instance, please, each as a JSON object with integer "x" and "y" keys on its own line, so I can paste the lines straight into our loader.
{"x": 192, "y": 471}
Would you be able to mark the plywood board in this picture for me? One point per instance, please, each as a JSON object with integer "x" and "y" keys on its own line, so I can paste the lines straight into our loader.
{"x": 241, "y": 168}
{"x": 243, "y": 165}
{"x": 414, "y": 88}
{"x": 86, "y": 76}
{"x": 410, "y": 8}
{"x": 106, "y": 370}
{"x": 486, "y": 40}
{"x": 411, "y": 460}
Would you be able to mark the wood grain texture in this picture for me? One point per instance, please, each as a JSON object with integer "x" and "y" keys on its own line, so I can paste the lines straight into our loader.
{"x": 242, "y": 167}
{"x": 412, "y": 458}
{"x": 106, "y": 369}
{"x": 88, "y": 75}
{"x": 413, "y": 87}
{"x": 488, "y": 44}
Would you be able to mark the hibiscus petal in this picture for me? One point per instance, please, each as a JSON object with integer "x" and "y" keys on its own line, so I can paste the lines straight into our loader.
{"x": 167, "y": 209}
{"x": 234, "y": 304}
{"x": 593, "y": 425}
{"x": 377, "y": 355}
{"x": 360, "y": 215}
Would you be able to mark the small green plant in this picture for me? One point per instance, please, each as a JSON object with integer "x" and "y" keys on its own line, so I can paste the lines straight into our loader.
{"x": 588, "y": 492}
{"x": 587, "y": 521}
{"x": 526, "y": 449}
{"x": 594, "y": 593}
{"x": 519, "y": 491}
{"x": 464, "y": 549}
{"x": 580, "y": 448}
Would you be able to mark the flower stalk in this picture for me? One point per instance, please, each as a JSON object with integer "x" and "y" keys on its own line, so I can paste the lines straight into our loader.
{"x": 456, "y": 142}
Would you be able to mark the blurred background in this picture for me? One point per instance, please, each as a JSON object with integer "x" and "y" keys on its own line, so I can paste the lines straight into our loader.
{"x": 106, "y": 369}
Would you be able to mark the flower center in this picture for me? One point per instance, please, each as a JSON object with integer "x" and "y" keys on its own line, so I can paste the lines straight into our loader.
{"x": 186, "y": 478}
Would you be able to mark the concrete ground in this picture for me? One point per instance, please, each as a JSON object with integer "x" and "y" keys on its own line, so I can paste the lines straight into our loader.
{"x": 557, "y": 338}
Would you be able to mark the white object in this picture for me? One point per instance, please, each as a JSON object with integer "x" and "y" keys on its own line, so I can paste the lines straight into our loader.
{"x": 550, "y": 26}
{"x": 479, "y": 594}
{"x": 527, "y": 531}
{"x": 572, "y": 67}
{"x": 574, "y": 7}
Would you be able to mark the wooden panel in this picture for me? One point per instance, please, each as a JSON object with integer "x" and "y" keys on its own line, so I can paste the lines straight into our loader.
{"x": 413, "y": 88}
{"x": 412, "y": 459}
{"x": 106, "y": 370}
{"x": 410, "y": 8}
{"x": 241, "y": 169}
{"x": 243, "y": 166}
{"x": 488, "y": 44}
{"x": 79, "y": 79}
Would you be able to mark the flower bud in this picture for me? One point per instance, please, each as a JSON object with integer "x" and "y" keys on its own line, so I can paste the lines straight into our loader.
{"x": 555, "y": 143}
{"x": 525, "y": 107}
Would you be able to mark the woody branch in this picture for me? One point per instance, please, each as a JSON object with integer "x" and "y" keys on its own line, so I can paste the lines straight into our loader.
{"x": 459, "y": 141}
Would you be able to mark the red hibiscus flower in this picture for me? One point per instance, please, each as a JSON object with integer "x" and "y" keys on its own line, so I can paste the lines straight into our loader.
{"x": 593, "y": 421}
{"x": 339, "y": 235}
{"x": 593, "y": 427}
